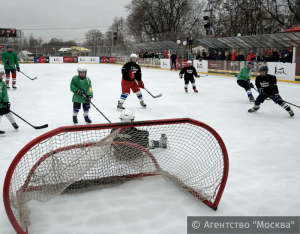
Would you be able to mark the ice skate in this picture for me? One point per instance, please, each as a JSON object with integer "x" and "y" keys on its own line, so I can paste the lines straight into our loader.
{"x": 15, "y": 126}
{"x": 7, "y": 86}
{"x": 251, "y": 99}
{"x": 75, "y": 120}
{"x": 143, "y": 104}
{"x": 186, "y": 90}
{"x": 195, "y": 90}
{"x": 254, "y": 109}
{"x": 14, "y": 86}
{"x": 2, "y": 133}
{"x": 120, "y": 106}
{"x": 87, "y": 120}
{"x": 291, "y": 112}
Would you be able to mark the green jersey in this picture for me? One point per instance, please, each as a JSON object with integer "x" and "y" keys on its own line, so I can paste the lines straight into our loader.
{"x": 12, "y": 56}
{"x": 244, "y": 74}
{"x": 3, "y": 93}
{"x": 84, "y": 85}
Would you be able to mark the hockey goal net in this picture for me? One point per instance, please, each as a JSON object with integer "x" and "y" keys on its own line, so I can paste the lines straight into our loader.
{"x": 84, "y": 158}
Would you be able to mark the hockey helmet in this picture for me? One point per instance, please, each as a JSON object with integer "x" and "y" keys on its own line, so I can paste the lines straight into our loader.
{"x": 8, "y": 46}
{"x": 250, "y": 63}
{"x": 127, "y": 116}
{"x": 2, "y": 72}
{"x": 133, "y": 56}
{"x": 81, "y": 68}
{"x": 189, "y": 62}
{"x": 264, "y": 68}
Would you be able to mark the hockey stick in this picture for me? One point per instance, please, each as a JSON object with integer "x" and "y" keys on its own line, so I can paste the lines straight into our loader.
{"x": 39, "y": 127}
{"x": 98, "y": 110}
{"x": 159, "y": 95}
{"x": 28, "y": 76}
{"x": 270, "y": 96}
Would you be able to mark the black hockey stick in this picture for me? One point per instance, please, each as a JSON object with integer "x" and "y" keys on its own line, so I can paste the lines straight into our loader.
{"x": 270, "y": 96}
{"x": 159, "y": 95}
{"x": 28, "y": 76}
{"x": 98, "y": 110}
{"x": 39, "y": 127}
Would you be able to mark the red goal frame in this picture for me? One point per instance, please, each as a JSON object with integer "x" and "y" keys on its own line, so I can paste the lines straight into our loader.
{"x": 57, "y": 131}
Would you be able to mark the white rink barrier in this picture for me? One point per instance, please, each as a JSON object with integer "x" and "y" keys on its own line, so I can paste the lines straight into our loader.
{"x": 88, "y": 60}
{"x": 201, "y": 66}
{"x": 56, "y": 60}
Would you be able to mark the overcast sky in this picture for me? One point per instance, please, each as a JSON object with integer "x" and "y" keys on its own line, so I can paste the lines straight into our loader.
{"x": 36, "y": 14}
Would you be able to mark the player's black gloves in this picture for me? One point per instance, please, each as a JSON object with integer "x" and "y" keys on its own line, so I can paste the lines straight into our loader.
{"x": 251, "y": 85}
{"x": 88, "y": 98}
{"x": 18, "y": 69}
{"x": 79, "y": 92}
{"x": 6, "y": 105}
{"x": 9, "y": 63}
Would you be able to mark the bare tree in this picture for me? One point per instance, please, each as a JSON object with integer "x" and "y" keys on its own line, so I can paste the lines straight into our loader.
{"x": 94, "y": 37}
{"x": 163, "y": 20}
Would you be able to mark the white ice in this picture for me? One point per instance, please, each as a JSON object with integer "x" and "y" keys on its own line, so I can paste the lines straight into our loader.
{"x": 263, "y": 150}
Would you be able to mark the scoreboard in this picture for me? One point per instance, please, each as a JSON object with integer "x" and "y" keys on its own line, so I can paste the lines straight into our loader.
{"x": 8, "y": 32}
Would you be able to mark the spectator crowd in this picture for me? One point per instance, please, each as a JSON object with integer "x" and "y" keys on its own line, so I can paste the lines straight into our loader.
{"x": 273, "y": 56}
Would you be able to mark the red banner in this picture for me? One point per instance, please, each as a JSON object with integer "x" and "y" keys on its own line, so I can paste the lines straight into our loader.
{"x": 70, "y": 60}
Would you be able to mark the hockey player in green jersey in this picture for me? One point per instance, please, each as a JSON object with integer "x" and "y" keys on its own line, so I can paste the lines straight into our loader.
{"x": 81, "y": 86}
{"x": 10, "y": 61}
{"x": 4, "y": 103}
{"x": 243, "y": 80}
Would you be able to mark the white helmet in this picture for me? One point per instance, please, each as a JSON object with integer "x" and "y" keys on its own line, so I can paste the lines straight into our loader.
{"x": 82, "y": 68}
{"x": 189, "y": 62}
{"x": 127, "y": 116}
{"x": 2, "y": 72}
{"x": 133, "y": 56}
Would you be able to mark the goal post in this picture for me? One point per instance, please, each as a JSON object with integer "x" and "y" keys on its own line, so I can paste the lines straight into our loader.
{"x": 78, "y": 159}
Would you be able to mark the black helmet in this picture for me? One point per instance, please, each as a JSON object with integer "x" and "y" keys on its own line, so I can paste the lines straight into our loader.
{"x": 8, "y": 46}
{"x": 264, "y": 68}
{"x": 250, "y": 63}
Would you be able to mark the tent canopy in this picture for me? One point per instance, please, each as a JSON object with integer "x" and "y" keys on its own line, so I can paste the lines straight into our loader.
{"x": 277, "y": 40}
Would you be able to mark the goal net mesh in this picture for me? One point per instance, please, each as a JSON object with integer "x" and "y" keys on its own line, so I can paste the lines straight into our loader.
{"x": 81, "y": 161}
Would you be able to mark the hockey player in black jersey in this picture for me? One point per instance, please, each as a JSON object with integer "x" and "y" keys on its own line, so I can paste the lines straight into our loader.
{"x": 267, "y": 87}
{"x": 189, "y": 72}
{"x": 173, "y": 61}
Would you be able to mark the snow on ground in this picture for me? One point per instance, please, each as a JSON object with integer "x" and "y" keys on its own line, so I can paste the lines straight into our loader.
{"x": 263, "y": 150}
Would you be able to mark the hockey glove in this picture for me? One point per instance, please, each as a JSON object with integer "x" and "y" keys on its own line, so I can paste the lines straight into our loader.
{"x": 9, "y": 63}
{"x": 251, "y": 85}
{"x": 141, "y": 84}
{"x": 198, "y": 76}
{"x": 276, "y": 96}
{"x": 79, "y": 92}
{"x": 18, "y": 69}
{"x": 6, "y": 105}
{"x": 88, "y": 98}
{"x": 180, "y": 76}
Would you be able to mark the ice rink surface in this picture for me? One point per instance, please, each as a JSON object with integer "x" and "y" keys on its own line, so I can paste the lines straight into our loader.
{"x": 263, "y": 149}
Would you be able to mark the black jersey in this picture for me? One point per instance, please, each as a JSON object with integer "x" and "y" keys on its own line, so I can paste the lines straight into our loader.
{"x": 189, "y": 72}
{"x": 133, "y": 135}
{"x": 268, "y": 83}
{"x": 173, "y": 57}
{"x": 131, "y": 71}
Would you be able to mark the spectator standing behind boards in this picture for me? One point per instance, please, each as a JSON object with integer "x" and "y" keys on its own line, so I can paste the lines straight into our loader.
{"x": 156, "y": 55}
{"x": 166, "y": 54}
{"x": 203, "y": 55}
{"x": 240, "y": 57}
{"x": 289, "y": 57}
{"x": 208, "y": 57}
{"x": 251, "y": 56}
{"x": 275, "y": 56}
{"x": 227, "y": 56}
{"x": 234, "y": 54}
{"x": 198, "y": 56}
{"x": 220, "y": 56}
{"x": 257, "y": 58}
{"x": 215, "y": 55}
